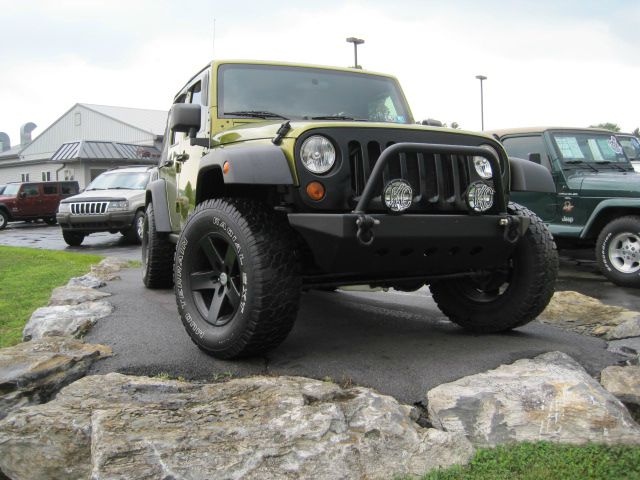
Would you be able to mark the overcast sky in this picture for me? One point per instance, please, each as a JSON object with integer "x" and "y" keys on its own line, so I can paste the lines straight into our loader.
{"x": 571, "y": 63}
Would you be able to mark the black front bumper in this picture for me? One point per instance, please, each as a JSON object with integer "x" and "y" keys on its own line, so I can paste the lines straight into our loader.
{"x": 96, "y": 223}
{"x": 410, "y": 245}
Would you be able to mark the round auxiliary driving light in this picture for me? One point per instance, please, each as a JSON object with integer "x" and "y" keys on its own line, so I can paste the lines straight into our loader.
{"x": 480, "y": 197}
{"x": 398, "y": 195}
{"x": 317, "y": 154}
{"x": 483, "y": 167}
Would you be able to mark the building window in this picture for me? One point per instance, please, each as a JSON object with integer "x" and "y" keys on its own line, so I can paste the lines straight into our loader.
{"x": 24, "y": 177}
{"x": 77, "y": 119}
{"x": 46, "y": 176}
{"x": 68, "y": 174}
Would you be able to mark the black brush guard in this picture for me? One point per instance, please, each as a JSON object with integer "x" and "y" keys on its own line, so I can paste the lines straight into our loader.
{"x": 368, "y": 246}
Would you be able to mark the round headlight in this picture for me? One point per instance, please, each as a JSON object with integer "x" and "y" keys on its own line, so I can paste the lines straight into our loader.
{"x": 318, "y": 154}
{"x": 480, "y": 196}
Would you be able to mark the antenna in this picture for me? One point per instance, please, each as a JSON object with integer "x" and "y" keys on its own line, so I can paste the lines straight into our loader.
{"x": 213, "y": 46}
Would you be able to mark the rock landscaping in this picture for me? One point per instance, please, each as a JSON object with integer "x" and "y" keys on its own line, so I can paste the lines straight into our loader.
{"x": 55, "y": 422}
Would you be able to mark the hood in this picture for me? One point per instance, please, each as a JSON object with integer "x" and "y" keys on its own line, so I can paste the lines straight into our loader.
{"x": 115, "y": 194}
{"x": 620, "y": 184}
{"x": 7, "y": 197}
{"x": 267, "y": 129}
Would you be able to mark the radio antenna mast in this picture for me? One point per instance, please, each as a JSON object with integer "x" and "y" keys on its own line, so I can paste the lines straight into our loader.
{"x": 213, "y": 45}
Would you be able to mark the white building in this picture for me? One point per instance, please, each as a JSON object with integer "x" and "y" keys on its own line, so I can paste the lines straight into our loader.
{"x": 84, "y": 142}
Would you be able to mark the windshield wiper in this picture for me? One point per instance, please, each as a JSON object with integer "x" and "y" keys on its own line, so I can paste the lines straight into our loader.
{"x": 609, "y": 162}
{"x": 256, "y": 113}
{"x": 338, "y": 117}
{"x": 89, "y": 189}
{"x": 581, "y": 162}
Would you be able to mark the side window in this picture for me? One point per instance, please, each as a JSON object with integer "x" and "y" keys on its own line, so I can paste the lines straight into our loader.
{"x": 50, "y": 188}
{"x": 68, "y": 188}
{"x": 31, "y": 190}
{"x": 521, "y": 147}
{"x": 195, "y": 93}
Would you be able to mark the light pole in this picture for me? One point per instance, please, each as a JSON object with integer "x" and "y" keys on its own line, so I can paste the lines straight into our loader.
{"x": 356, "y": 42}
{"x": 481, "y": 78}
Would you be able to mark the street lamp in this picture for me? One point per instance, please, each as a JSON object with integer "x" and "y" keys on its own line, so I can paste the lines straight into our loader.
{"x": 356, "y": 42}
{"x": 481, "y": 78}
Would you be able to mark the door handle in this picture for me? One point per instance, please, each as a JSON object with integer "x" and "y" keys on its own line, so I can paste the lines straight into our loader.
{"x": 182, "y": 157}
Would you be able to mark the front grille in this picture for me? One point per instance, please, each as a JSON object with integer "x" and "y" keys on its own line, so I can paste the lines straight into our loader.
{"x": 438, "y": 181}
{"x": 89, "y": 208}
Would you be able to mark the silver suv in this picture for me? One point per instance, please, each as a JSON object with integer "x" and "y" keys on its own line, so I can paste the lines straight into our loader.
{"x": 113, "y": 202}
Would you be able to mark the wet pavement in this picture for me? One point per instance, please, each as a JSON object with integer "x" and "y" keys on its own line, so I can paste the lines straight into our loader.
{"x": 41, "y": 235}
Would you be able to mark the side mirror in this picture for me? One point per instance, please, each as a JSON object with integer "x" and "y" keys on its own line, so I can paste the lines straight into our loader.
{"x": 185, "y": 117}
{"x": 535, "y": 158}
{"x": 22, "y": 195}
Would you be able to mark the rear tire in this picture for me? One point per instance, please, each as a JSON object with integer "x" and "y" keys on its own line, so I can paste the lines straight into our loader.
{"x": 236, "y": 278}
{"x": 73, "y": 239}
{"x": 618, "y": 251}
{"x": 511, "y": 296}
{"x": 4, "y": 219}
{"x": 157, "y": 254}
{"x": 50, "y": 220}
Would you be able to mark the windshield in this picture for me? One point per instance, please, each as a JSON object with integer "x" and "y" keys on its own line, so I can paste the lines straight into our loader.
{"x": 631, "y": 147}
{"x": 124, "y": 180}
{"x": 597, "y": 148}
{"x": 11, "y": 189}
{"x": 308, "y": 93}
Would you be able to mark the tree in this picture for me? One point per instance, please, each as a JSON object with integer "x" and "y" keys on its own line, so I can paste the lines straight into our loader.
{"x": 607, "y": 126}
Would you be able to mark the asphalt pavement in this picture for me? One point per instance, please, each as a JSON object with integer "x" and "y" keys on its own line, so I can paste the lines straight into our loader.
{"x": 398, "y": 343}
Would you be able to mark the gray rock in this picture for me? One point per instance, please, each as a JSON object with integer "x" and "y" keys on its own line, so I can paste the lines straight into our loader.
{"x": 88, "y": 280}
{"x": 623, "y": 382}
{"x": 118, "y": 426}
{"x": 32, "y": 372}
{"x": 629, "y": 347}
{"x": 75, "y": 295}
{"x": 550, "y": 397}
{"x": 627, "y": 329}
{"x": 65, "y": 320}
{"x": 108, "y": 268}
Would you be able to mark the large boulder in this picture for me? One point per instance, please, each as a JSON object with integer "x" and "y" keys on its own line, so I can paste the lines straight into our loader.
{"x": 623, "y": 382}
{"x": 586, "y": 315}
{"x": 108, "y": 268}
{"x": 32, "y": 372}
{"x": 65, "y": 320}
{"x": 549, "y": 397}
{"x": 118, "y": 426}
{"x": 74, "y": 295}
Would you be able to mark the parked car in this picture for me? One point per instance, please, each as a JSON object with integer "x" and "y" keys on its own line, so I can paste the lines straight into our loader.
{"x": 276, "y": 178}
{"x": 33, "y": 200}
{"x": 597, "y": 198}
{"x": 113, "y": 202}
{"x": 631, "y": 146}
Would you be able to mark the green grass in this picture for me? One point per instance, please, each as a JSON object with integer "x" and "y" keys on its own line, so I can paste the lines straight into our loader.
{"x": 547, "y": 461}
{"x": 27, "y": 277}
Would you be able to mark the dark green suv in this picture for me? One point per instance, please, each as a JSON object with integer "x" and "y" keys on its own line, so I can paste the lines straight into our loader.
{"x": 278, "y": 178}
{"x": 597, "y": 202}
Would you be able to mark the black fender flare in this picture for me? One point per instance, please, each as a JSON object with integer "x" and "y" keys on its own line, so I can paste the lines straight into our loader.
{"x": 157, "y": 194}
{"x": 250, "y": 164}
{"x": 6, "y": 210}
{"x": 527, "y": 176}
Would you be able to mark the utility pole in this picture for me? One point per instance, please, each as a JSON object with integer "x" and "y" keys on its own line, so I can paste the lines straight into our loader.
{"x": 481, "y": 78}
{"x": 356, "y": 42}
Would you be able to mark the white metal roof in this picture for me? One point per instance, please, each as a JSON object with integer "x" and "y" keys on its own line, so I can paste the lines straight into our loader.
{"x": 153, "y": 121}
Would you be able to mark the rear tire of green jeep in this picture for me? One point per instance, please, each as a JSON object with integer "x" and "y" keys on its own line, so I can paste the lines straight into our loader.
{"x": 73, "y": 239}
{"x": 157, "y": 254}
{"x": 236, "y": 278}
{"x": 618, "y": 251}
{"x": 513, "y": 295}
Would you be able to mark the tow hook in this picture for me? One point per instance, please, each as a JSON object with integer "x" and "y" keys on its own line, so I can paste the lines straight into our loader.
{"x": 513, "y": 228}
{"x": 365, "y": 225}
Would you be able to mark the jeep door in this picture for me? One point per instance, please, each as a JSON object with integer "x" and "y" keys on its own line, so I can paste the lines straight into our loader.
{"x": 29, "y": 201}
{"x": 533, "y": 148}
{"x": 180, "y": 170}
{"x": 50, "y": 198}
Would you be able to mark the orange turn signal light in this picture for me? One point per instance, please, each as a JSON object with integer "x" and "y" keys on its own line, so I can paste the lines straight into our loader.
{"x": 225, "y": 167}
{"x": 315, "y": 190}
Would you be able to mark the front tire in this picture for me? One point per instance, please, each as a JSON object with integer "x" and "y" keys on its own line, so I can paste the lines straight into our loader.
{"x": 73, "y": 239}
{"x": 511, "y": 296}
{"x": 136, "y": 231}
{"x": 236, "y": 278}
{"x": 618, "y": 251}
{"x": 157, "y": 254}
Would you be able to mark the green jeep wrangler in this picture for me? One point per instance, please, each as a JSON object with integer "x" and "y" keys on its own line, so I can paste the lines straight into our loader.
{"x": 598, "y": 193}
{"x": 280, "y": 178}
